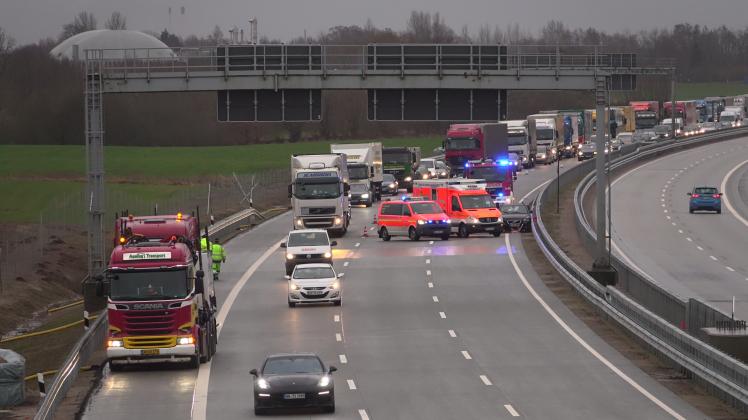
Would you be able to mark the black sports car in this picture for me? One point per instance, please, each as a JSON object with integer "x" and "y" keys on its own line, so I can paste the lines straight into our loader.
{"x": 516, "y": 217}
{"x": 294, "y": 380}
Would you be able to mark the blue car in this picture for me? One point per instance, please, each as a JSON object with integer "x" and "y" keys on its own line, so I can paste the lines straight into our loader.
{"x": 705, "y": 198}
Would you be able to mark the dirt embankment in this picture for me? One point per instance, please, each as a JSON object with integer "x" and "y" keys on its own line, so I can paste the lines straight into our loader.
{"x": 42, "y": 276}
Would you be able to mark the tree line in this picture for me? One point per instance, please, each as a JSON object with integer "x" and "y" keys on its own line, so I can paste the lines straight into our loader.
{"x": 42, "y": 100}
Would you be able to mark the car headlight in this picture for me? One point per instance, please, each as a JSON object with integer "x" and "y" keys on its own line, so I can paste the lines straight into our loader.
{"x": 338, "y": 220}
{"x": 501, "y": 220}
{"x": 289, "y": 256}
{"x": 263, "y": 384}
{"x": 425, "y": 176}
{"x": 183, "y": 341}
{"x": 114, "y": 343}
{"x": 443, "y": 174}
{"x": 335, "y": 285}
{"x": 408, "y": 179}
{"x": 324, "y": 381}
{"x": 524, "y": 158}
{"x": 293, "y": 286}
{"x": 300, "y": 222}
{"x": 421, "y": 222}
{"x": 553, "y": 151}
{"x": 568, "y": 147}
{"x": 365, "y": 195}
{"x": 580, "y": 153}
{"x": 327, "y": 255}
{"x": 472, "y": 219}
{"x": 392, "y": 185}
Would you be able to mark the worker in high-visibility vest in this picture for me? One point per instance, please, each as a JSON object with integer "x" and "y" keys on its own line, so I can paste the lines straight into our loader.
{"x": 204, "y": 244}
{"x": 217, "y": 255}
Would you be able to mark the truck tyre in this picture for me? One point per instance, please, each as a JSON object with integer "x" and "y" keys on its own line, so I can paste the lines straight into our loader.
{"x": 413, "y": 235}
{"x": 384, "y": 234}
{"x": 195, "y": 362}
{"x": 115, "y": 367}
{"x": 462, "y": 231}
{"x": 203, "y": 347}
{"x": 259, "y": 411}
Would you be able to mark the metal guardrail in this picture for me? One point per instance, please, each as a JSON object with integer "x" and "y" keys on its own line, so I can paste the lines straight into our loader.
{"x": 722, "y": 375}
{"x": 94, "y": 337}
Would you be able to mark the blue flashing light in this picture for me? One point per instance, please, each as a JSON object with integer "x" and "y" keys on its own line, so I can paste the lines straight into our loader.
{"x": 467, "y": 164}
{"x": 503, "y": 162}
{"x": 404, "y": 198}
{"x": 501, "y": 194}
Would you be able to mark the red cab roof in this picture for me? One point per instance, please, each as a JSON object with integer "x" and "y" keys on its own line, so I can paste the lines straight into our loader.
{"x": 150, "y": 256}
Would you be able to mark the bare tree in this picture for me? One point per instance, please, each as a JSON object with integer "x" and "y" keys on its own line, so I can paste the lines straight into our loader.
{"x": 216, "y": 37}
{"x": 419, "y": 27}
{"x": 116, "y": 22}
{"x": 83, "y": 22}
{"x": 6, "y": 41}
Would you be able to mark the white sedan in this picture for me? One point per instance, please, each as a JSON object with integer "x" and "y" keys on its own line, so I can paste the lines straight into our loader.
{"x": 314, "y": 283}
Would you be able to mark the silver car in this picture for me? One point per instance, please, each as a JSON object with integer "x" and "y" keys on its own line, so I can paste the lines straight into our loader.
{"x": 314, "y": 283}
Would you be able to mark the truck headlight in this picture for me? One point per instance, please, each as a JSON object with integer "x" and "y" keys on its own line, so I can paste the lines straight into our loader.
{"x": 338, "y": 220}
{"x": 327, "y": 255}
{"x": 541, "y": 155}
{"x": 568, "y": 147}
{"x": 183, "y": 341}
{"x": 580, "y": 153}
{"x": 300, "y": 222}
{"x": 289, "y": 256}
{"x": 425, "y": 176}
{"x": 364, "y": 195}
{"x": 114, "y": 343}
{"x": 408, "y": 179}
{"x": 443, "y": 174}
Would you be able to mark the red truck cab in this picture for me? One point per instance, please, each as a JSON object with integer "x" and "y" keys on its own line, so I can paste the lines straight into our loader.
{"x": 160, "y": 305}
{"x": 499, "y": 177}
{"x": 466, "y": 142}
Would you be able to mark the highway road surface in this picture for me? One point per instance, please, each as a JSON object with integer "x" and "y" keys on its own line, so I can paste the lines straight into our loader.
{"x": 693, "y": 255}
{"x": 458, "y": 329}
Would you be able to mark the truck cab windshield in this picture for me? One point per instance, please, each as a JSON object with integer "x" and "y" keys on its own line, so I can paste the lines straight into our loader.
{"x": 462, "y": 143}
{"x": 489, "y": 173}
{"x": 358, "y": 172}
{"x": 133, "y": 285}
{"x": 517, "y": 138}
{"x": 310, "y": 190}
{"x": 397, "y": 157}
{"x": 470, "y": 202}
{"x": 545, "y": 134}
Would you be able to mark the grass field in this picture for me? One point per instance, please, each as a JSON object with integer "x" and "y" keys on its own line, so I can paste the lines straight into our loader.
{"x": 171, "y": 163}
{"x": 702, "y": 90}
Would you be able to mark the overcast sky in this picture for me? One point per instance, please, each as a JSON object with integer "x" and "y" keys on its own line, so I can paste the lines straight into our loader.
{"x": 29, "y": 20}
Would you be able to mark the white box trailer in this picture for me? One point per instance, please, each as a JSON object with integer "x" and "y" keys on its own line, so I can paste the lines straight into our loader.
{"x": 364, "y": 164}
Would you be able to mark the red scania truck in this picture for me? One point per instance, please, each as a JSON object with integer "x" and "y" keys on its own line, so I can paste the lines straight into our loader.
{"x": 156, "y": 228}
{"x": 161, "y": 306}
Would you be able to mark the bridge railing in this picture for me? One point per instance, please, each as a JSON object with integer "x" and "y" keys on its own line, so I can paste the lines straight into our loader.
{"x": 721, "y": 374}
{"x": 363, "y": 59}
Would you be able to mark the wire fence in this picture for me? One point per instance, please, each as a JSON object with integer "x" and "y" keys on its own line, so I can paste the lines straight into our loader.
{"x": 24, "y": 247}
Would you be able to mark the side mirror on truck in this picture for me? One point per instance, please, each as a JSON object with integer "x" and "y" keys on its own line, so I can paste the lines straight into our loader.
{"x": 199, "y": 282}
{"x": 346, "y": 188}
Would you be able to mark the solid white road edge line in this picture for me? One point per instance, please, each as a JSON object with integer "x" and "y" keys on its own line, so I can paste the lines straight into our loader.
{"x": 362, "y": 414}
{"x": 727, "y": 200}
{"x": 200, "y": 392}
{"x": 511, "y": 410}
{"x": 581, "y": 341}
{"x": 535, "y": 189}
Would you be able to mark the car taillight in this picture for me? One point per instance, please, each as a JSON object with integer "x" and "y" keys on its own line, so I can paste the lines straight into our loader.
{"x": 715, "y": 196}
{"x": 695, "y": 196}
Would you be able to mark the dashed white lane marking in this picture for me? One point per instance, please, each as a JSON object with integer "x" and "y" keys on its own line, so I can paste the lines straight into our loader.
{"x": 435, "y": 299}
{"x": 431, "y": 285}
{"x": 673, "y": 223}
{"x": 689, "y": 239}
{"x": 428, "y": 261}
{"x": 667, "y": 217}
{"x": 431, "y": 242}
{"x": 581, "y": 341}
{"x": 358, "y": 244}
{"x": 713, "y": 257}
{"x": 362, "y": 414}
{"x": 466, "y": 355}
{"x": 729, "y": 268}
{"x": 664, "y": 211}
{"x": 428, "y": 272}
{"x": 351, "y": 384}
{"x": 428, "y": 251}
{"x": 338, "y": 337}
{"x": 699, "y": 248}
{"x": 486, "y": 381}
{"x": 336, "y": 318}
{"x": 511, "y": 410}
{"x": 663, "y": 205}
{"x": 200, "y": 393}
{"x": 680, "y": 230}
{"x": 343, "y": 359}
{"x": 726, "y": 200}
{"x": 442, "y": 315}
{"x": 453, "y": 334}
{"x": 345, "y": 264}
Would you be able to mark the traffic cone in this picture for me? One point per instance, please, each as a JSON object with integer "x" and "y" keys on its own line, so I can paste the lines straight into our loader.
{"x": 366, "y": 232}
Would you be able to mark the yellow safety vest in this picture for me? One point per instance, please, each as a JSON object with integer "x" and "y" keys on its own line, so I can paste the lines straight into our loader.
{"x": 216, "y": 252}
